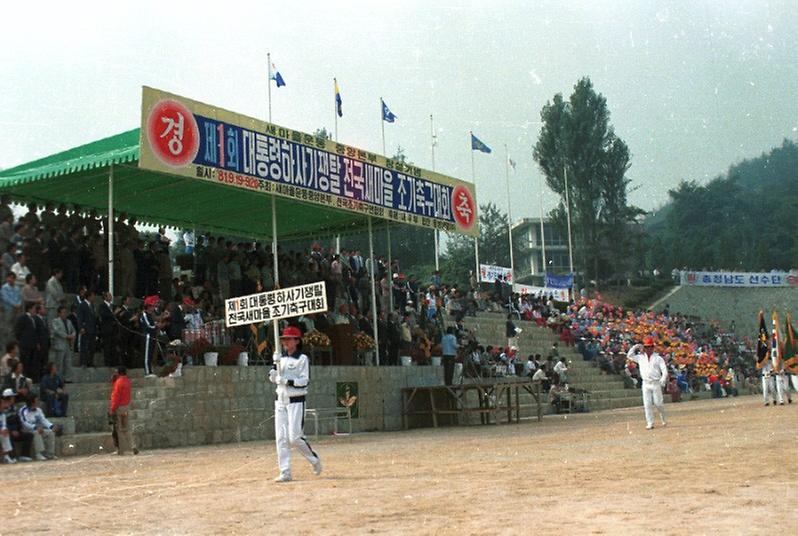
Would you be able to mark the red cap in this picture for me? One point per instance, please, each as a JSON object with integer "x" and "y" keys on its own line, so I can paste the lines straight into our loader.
{"x": 648, "y": 341}
{"x": 151, "y": 300}
{"x": 291, "y": 332}
{"x": 188, "y": 301}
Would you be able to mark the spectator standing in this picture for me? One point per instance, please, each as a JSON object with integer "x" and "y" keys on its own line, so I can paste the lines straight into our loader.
{"x": 449, "y": 351}
{"x": 87, "y": 330}
{"x": 63, "y": 341}
{"x": 108, "y": 330}
{"x": 119, "y": 412}
{"x": 25, "y": 333}
{"x": 54, "y": 293}
{"x": 21, "y": 270}
{"x": 42, "y": 337}
{"x": 12, "y": 353}
{"x": 511, "y": 331}
{"x": 561, "y": 368}
{"x": 30, "y": 292}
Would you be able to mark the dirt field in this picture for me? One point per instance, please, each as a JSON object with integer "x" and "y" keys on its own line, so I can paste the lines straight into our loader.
{"x": 720, "y": 467}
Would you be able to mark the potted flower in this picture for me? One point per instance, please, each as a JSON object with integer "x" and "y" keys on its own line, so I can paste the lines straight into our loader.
{"x": 231, "y": 356}
{"x": 316, "y": 339}
{"x": 202, "y": 347}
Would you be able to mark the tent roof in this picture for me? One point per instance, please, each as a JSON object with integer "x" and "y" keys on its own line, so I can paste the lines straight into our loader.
{"x": 80, "y": 176}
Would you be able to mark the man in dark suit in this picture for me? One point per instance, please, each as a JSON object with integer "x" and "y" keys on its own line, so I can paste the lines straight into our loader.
{"x": 127, "y": 331}
{"x": 177, "y": 318}
{"x": 25, "y": 333}
{"x": 108, "y": 331}
{"x": 42, "y": 338}
{"x": 87, "y": 324}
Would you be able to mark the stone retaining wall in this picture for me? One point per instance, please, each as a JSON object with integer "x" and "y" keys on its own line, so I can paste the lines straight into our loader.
{"x": 225, "y": 404}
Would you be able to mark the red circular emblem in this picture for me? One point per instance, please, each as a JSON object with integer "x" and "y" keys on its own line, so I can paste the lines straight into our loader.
{"x": 173, "y": 133}
{"x": 463, "y": 207}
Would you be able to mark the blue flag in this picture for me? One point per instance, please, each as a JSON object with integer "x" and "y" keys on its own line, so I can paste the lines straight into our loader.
{"x": 477, "y": 145}
{"x": 387, "y": 115}
{"x": 338, "y": 103}
{"x": 277, "y": 77}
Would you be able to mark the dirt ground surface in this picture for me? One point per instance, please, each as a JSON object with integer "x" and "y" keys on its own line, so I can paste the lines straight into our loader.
{"x": 719, "y": 467}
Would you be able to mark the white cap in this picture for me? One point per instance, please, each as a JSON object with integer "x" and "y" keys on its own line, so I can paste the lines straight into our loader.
{"x": 9, "y": 393}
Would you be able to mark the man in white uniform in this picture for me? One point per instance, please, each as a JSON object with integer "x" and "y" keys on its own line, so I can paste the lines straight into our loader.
{"x": 654, "y": 374}
{"x": 291, "y": 374}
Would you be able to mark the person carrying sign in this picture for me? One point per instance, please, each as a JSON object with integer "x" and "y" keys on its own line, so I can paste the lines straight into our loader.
{"x": 291, "y": 374}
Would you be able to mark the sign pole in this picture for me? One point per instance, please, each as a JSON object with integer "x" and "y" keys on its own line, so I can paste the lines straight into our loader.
{"x": 276, "y": 268}
{"x": 110, "y": 234}
{"x": 568, "y": 213}
{"x": 269, "y": 61}
{"x": 542, "y": 235}
{"x": 476, "y": 238}
{"x": 373, "y": 296}
{"x": 509, "y": 217}
{"x": 432, "y": 146}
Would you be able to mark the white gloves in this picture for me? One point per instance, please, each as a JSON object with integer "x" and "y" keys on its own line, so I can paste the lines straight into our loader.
{"x": 274, "y": 376}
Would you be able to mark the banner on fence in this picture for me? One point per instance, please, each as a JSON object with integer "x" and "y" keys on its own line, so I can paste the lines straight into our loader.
{"x": 740, "y": 279}
{"x": 489, "y": 273}
{"x": 559, "y": 294}
{"x": 276, "y": 304}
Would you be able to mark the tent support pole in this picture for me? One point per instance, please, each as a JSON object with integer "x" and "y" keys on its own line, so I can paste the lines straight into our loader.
{"x": 110, "y": 234}
{"x": 390, "y": 269}
{"x": 373, "y": 296}
{"x": 276, "y": 269}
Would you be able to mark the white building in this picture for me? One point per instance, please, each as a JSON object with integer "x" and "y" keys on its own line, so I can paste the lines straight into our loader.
{"x": 530, "y": 261}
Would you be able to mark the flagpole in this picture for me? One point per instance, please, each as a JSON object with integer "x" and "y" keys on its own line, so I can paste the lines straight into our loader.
{"x": 374, "y": 296}
{"x": 474, "y": 181}
{"x": 432, "y": 146}
{"x": 269, "y": 61}
{"x": 570, "y": 244}
{"x": 542, "y": 233}
{"x": 335, "y": 108}
{"x": 509, "y": 217}
{"x": 382, "y": 123}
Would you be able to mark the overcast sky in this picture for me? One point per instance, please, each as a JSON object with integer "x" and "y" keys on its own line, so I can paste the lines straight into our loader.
{"x": 693, "y": 86}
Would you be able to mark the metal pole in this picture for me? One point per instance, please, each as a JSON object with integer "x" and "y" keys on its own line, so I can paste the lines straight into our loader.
{"x": 390, "y": 267}
{"x": 110, "y": 236}
{"x": 335, "y": 108}
{"x": 509, "y": 216}
{"x": 269, "y": 60}
{"x": 432, "y": 146}
{"x": 382, "y": 123}
{"x": 568, "y": 213}
{"x": 276, "y": 268}
{"x": 373, "y": 296}
{"x": 542, "y": 233}
{"x": 476, "y": 238}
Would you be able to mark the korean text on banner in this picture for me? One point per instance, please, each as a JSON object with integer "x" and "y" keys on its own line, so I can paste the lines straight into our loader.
{"x": 489, "y": 273}
{"x": 275, "y": 304}
{"x": 559, "y": 294}
{"x": 183, "y": 137}
{"x": 740, "y": 279}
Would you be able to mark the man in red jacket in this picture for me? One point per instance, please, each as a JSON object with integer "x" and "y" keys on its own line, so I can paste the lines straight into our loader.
{"x": 119, "y": 411}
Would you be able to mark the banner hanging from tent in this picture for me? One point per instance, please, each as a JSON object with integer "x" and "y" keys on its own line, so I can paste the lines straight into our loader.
{"x": 275, "y": 304}
{"x": 559, "y": 281}
{"x": 184, "y": 137}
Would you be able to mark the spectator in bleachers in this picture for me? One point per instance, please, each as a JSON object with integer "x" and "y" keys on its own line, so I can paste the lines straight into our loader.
{"x": 108, "y": 330}
{"x": 21, "y": 270}
{"x": 34, "y": 422}
{"x": 17, "y": 381}
{"x": 53, "y": 392}
{"x": 6, "y": 448}
{"x": 25, "y": 333}
{"x": 63, "y": 336}
{"x": 87, "y": 330}
{"x": 12, "y": 353}
{"x": 30, "y": 291}
{"x": 54, "y": 293}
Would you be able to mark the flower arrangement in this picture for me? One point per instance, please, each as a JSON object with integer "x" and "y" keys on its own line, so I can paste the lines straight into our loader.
{"x": 200, "y": 347}
{"x": 230, "y": 357}
{"x": 363, "y": 341}
{"x": 316, "y": 338}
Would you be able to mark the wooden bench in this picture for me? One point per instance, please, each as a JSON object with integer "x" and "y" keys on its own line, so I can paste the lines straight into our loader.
{"x": 329, "y": 414}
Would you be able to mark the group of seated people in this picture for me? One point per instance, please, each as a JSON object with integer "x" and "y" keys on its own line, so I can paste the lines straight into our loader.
{"x": 25, "y": 432}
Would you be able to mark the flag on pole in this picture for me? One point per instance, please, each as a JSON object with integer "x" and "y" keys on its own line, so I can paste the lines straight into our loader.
{"x": 477, "y": 145}
{"x": 511, "y": 162}
{"x": 775, "y": 354}
{"x": 338, "y": 102}
{"x": 387, "y": 115}
{"x": 790, "y": 353}
{"x": 762, "y": 350}
{"x": 277, "y": 77}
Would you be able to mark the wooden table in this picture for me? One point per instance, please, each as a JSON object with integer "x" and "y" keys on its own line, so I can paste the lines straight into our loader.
{"x": 491, "y": 400}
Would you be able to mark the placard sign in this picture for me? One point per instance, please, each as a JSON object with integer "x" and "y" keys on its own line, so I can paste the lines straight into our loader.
{"x": 276, "y": 304}
{"x": 183, "y": 137}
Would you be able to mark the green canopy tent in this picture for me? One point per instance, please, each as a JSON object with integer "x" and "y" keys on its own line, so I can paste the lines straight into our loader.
{"x": 104, "y": 175}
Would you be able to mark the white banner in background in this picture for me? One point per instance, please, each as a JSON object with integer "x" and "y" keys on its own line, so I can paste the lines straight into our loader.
{"x": 560, "y": 294}
{"x": 489, "y": 273}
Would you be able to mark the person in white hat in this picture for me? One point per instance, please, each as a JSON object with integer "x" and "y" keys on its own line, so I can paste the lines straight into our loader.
{"x": 291, "y": 374}
{"x": 5, "y": 435}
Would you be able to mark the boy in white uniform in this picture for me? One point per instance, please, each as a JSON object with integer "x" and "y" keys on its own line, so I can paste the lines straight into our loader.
{"x": 291, "y": 374}
{"x": 654, "y": 374}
